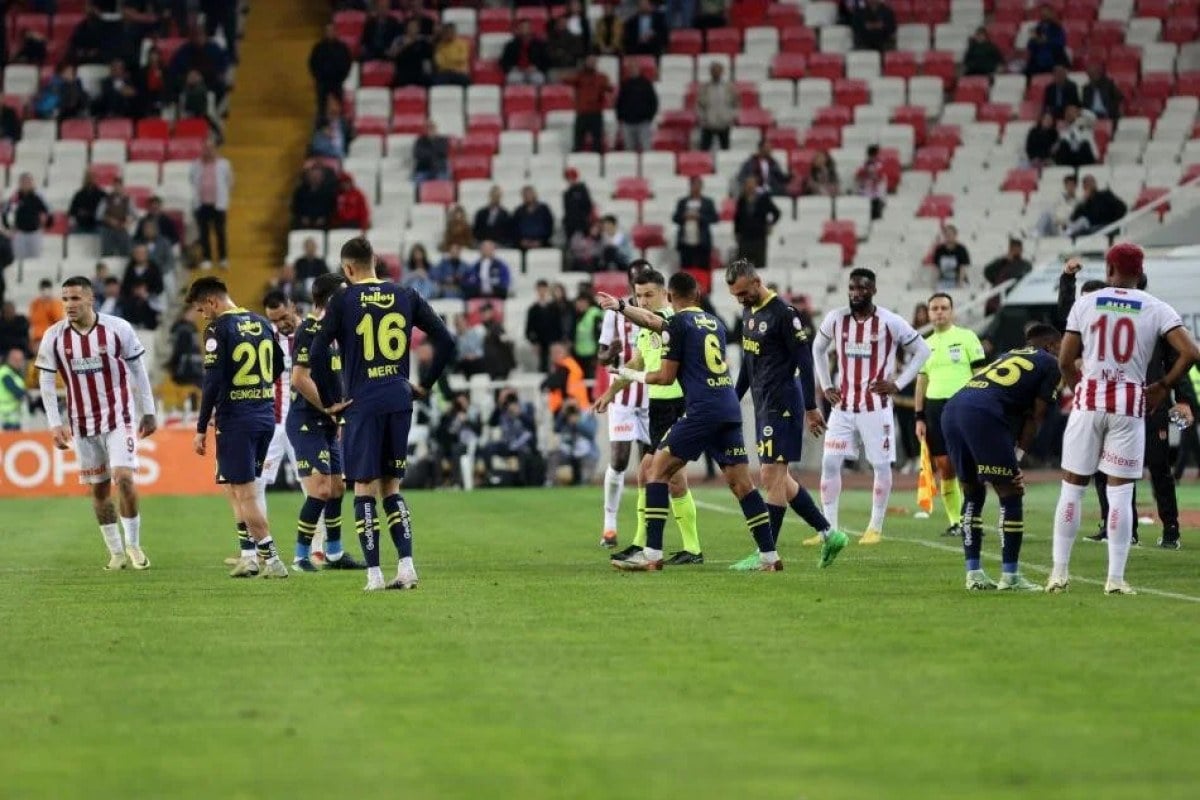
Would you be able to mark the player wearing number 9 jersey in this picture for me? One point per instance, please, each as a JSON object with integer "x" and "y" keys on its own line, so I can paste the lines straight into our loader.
{"x": 372, "y": 321}
{"x": 1115, "y": 331}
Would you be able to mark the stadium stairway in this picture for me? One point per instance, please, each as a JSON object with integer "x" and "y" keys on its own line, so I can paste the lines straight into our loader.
{"x": 270, "y": 120}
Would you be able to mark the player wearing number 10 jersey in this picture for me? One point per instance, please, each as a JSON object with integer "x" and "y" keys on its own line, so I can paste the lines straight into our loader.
{"x": 372, "y": 322}
{"x": 1115, "y": 330}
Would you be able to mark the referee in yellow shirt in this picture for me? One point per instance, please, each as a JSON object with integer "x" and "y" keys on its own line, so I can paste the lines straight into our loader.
{"x": 955, "y": 354}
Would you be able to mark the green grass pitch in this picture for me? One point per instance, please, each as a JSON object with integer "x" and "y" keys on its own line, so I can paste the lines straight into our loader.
{"x": 524, "y": 667}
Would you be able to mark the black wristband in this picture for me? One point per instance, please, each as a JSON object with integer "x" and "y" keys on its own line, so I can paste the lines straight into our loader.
{"x": 620, "y": 306}
{"x": 920, "y": 415}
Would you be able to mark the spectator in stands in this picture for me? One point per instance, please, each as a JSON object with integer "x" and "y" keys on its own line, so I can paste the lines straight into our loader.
{"x": 118, "y": 94}
{"x": 585, "y": 248}
{"x": 609, "y": 36}
{"x": 314, "y": 200}
{"x": 1076, "y": 145}
{"x": 166, "y": 225}
{"x": 26, "y": 214}
{"x": 448, "y": 272}
{"x": 431, "y": 156}
{"x": 498, "y": 352}
{"x": 822, "y": 178}
{"x": 379, "y": 34}
{"x": 87, "y": 44}
{"x": 451, "y": 58}
{"x": 418, "y": 279}
{"x": 493, "y": 221}
{"x": 982, "y": 57}
{"x": 185, "y": 364}
{"x": 85, "y": 204}
{"x": 469, "y": 338}
{"x": 592, "y": 88}
{"x": 139, "y": 309}
{"x": 543, "y": 324}
{"x": 14, "y": 328}
{"x": 116, "y": 214}
{"x": 951, "y": 260}
{"x": 110, "y": 302}
{"x": 310, "y": 265}
{"x": 417, "y": 258}
{"x": 1041, "y": 141}
{"x": 222, "y": 15}
{"x": 711, "y": 14}
{"x": 637, "y": 106}
{"x": 1047, "y": 46}
{"x": 152, "y": 83}
{"x": 846, "y": 9}
{"x": 763, "y": 166}
{"x": 458, "y": 230}
{"x": 329, "y": 64}
{"x": 1054, "y": 220}
{"x": 10, "y": 123}
{"x": 518, "y": 437}
{"x": 578, "y": 209}
{"x": 414, "y": 57}
{"x": 753, "y": 219}
{"x": 206, "y": 57}
{"x": 564, "y": 49}
{"x": 162, "y": 252}
{"x": 1098, "y": 209}
{"x": 716, "y": 108}
{"x": 6, "y": 259}
{"x": 588, "y": 318}
{"x": 646, "y": 31}
{"x": 44, "y": 310}
{"x": 1060, "y": 93}
{"x": 1012, "y": 266}
{"x": 327, "y": 142}
{"x": 62, "y": 97}
{"x": 411, "y": 10}
{"x": 681, "y": 14}
{"x": 351, "y": 209}
{"x": 33, "y": 49}
{"x": 1101, "y": 95}
{"x": 695, "y": 215}
{"x": 287, "y": 284}
{"x": 564, "y": 307}
{"x": 874, "y": 27}
{"x": 872, "y": 182}
{"x": 197, "y": 102}
{"x": 524, "y": 58}
{"x": 576, "y": 21}
{"x": 141, "y": 268}
{"x": 12, "y": 388}
{"x": 457, "y": 437}
{"x": 533, "y": 223}
{"x": 616, "y": 247}
{"x": 487, "y": 277}
{"x": 212, "y": 181}
{"x": 576, "y": 446}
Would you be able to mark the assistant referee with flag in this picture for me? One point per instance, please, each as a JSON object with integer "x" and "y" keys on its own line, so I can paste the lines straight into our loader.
{"x": 955, "y": 354}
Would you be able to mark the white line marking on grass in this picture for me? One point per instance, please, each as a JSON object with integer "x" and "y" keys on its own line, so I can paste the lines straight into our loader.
{"x": 958, "y": 551}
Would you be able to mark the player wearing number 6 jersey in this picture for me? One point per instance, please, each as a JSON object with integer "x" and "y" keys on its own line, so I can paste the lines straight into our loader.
{"x": 1115, "y": 330}
{"x": 372, "y": 322}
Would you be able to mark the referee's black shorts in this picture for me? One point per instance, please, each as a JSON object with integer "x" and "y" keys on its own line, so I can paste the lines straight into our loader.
{"x": 933, "y": 427}
{"x": 663, "y": 414}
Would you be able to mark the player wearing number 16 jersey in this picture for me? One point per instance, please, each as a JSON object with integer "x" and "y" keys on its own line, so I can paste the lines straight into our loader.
{"x": 372, "y": 322}
{"x": 1115, "y": 330}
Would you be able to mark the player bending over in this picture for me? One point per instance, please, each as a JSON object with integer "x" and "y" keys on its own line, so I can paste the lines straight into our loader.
{"x": 712, "y": 423}
{"x": 1013, "y": 392}
{"x": 865, "y": 338}
{"x": 1115, "y": 330}
{"x": 100, "y": 360}
{"x": 777, "y": 368}
{"x": 317, "y": 384}
{"x": 372, "y": 321}
{"x": 666, "y": 407}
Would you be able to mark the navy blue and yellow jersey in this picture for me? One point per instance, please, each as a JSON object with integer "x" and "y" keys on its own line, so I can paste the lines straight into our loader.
{"x": 372, "y": 323}
{"x": 241, "y": 362}
{"x": 776, "y": 357}
{"x": 1013, "y": 383}
{"x": 325, "y": 368}
{"x": 696, "y": 341}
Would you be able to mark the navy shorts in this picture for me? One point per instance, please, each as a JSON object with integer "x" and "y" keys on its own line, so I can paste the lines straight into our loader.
{"x": 979, "y": 443}
{"x": 688, "y": 439}
{"x": 240, "y": 455}
{"x": 317, "y": 448}
{"x": 376, "y": 445}
{"x": 780, "y": 437}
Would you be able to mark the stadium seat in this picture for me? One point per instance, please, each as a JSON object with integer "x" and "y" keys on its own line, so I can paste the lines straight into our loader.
{"x": 191, "y": 128}
{"x": 798, "y": 40}
{"x": 841, "y": 232}
{"x": 723, "y": 40}
{"x": 115, "y": 128}
{"x": 789, "y": 66}
{"x": 376, "y": 73}
{"x": 184, "y": 149}
{"x": 691, "y": 164}
{"x": 648, "y": 236}
{"x": 153, "y": 128}
{"x": 632, "y": 188}
{"x": 80, "y": 130}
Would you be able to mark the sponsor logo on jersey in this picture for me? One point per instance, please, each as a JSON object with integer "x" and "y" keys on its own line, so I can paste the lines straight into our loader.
{"x": 858, "y": 349}
{"x": 378, "y": 299}
{"x": 762, "y": 327}
{"x": 768, "y": 431}
{"x": 1119, "y": 306}
{"x": 706, "y": 322}
{"x": 249, "y": 327}
{"x": 86, "y": 365}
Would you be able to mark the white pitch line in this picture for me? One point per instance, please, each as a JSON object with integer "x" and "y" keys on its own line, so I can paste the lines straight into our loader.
{"x": 958, "y": 550}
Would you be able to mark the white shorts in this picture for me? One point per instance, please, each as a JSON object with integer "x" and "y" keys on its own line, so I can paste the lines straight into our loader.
{"x": 280, "y": 447}
{"x": 1096, "y": 441}
{"x": 628, "y": 424}
{"x": 99, "y": 455}
{"x": 873, "y": 429}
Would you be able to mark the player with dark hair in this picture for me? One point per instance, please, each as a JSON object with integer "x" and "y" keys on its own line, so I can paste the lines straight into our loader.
{"x": 777, "y": 369}
{"x": 987, "y": 425}
{"x": 372, "y": 321}
{"x": 241, "y": 363}
{"x": 712, "y": 422}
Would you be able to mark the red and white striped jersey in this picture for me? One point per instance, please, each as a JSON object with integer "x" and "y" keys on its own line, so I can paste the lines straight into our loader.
{"x": 866, "y": 352}
{"x": 618, "y": 332}
{"x": 92, "y": 365}
{"x": 1119, "y": 329}
{"x": 283, "y": 381}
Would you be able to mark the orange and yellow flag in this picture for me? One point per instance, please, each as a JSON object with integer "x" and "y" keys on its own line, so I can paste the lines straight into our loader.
{"x": 926, "y": 483}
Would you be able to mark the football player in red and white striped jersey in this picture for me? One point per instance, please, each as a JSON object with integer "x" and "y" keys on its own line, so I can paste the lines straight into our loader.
{"x": 1114, "y": 331}
{"x": 865, "y": 339}
{"x": 100, "y": 360}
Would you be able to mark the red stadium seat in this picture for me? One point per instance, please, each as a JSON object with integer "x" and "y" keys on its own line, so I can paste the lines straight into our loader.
{"x": 834, "y": 116}
{"x": 691, "y": 164}
{"x": 1143, "y": 106}
{"x": 6, "y": 151}
{"x": 1181, "y": 30}
{"x": 678, "y": 120}
{"x": 191, "y": 128}
{"x": 892, "y": 168}
{"x": 613, "y": 283}
{"x": 153, "y": 128}
{"x": 525, "y": 121}
{"x": 800, "y": 161}
{"x": 900, "y": 64}
{"x": 747, "y": 92}
{"x": 556, "y": 97}
{"x": 1157, "y": 85}
{"x": 670, "y": 139}
{"x": 1190, "y": 173}
{"x": 784, "y": 15}
{"x": 646, "y": 236}
{"x": 1148, "y": 197}
{"x": 937, "y": 205}
{"x": 494, "y": 20}
{"x": 632, "y": 189}
{"x": 115, "y": 128}
{"x": 479, "y": 143}
{"x": 913, "y": 116}
{"x": 147, "y": 149}
{"x": 465, "y": 167}
{"x": 826, "y": 65}
{"x": 995, "y": 112}
{"x": 486, "y": 122}
{"x": 783, "y": 138}
{"x": 349, "y": 23}
{"x": 972, "y": 89}
{"x": 686, "y": 42}
{"x": 77, "y": 130}
{"x": 728, "y": 209}
{"x": 1021, "y": 180}
{"x": 947, "y": 136}
{"x": 105, "y": 174}
{"x": 821, "y": 137}
{"x": 724, "y": 40}
{"x": 841, "y": 232}
{"x": 376, "y": 73}
{"x": 436, "y": 192}
{"x": 798, "y": 40}
{"x": 410, "y": 100}
{"x": 931, "y": 158}
{"x": 851, "y": 92}
{"x": 755, "y": 118}
{"x": 486, "y": 73}
{"x": 648, "y": 67}
{"x": 1159, "y": 9}
{"x": 60, "y": 223}
{"x": 519, "y": 100}
{"x": 1188, "y": 84}
{"x": 372, "y": 125}
{"x": 184, "y": 149}
{"x": 789, "y": 66}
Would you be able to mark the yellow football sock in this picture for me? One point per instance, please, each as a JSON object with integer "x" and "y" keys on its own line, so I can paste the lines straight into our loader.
{"x": 952, "y": 499}
{"x": 684, "y": 509}
{"x": 639, "y": 537}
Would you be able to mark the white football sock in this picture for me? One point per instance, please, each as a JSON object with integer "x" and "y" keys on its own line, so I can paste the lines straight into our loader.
{"x": 405, "y": 567}
{"x": 112, "y": 538}
{"x": 1120, "y": 529}
{"x": 831, "y": 487}
{"x": 652, "y": 555}
{"x": 614, "y": 485}
{"x": 133, "y": 530}
{"x": 1066, "y": 524}
{"x": 374, "y": 575}
{"x": 260, "y": 495}
{"x": 881, "y": 492}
